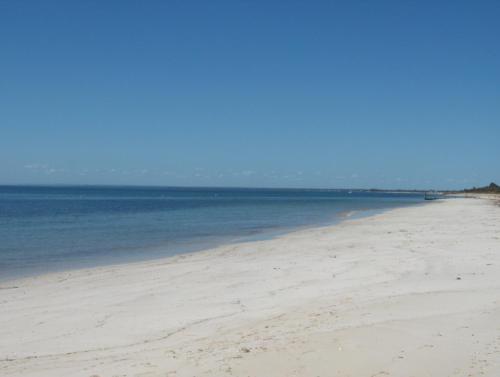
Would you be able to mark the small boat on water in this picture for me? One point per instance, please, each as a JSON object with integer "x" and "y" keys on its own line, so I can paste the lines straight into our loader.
{"x": 431, "y": 195}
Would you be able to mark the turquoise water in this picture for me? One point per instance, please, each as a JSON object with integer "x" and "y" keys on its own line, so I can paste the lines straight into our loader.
{"x": 46, "y": 229}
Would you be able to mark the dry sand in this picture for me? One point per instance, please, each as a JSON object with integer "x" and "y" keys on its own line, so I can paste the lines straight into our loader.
{"x": 410, "y": 292}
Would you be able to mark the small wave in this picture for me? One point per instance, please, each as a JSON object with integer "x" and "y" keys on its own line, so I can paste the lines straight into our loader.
{"x": 347, "y": 214}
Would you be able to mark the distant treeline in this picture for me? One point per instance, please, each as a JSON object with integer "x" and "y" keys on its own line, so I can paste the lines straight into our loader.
{"x": 493, "y": 188}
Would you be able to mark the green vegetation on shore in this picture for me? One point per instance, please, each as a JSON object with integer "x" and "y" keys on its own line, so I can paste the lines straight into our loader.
{"x": 493, "y": 188}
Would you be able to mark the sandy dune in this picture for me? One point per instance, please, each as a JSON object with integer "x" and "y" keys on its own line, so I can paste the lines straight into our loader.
{"x": 410, "y": 292}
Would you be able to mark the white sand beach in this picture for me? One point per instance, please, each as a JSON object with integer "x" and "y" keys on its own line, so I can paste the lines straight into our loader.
{"x": 410, "y": 292}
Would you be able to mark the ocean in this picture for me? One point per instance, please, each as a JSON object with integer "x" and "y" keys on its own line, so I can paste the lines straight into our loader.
{"x": 48, "y": 228}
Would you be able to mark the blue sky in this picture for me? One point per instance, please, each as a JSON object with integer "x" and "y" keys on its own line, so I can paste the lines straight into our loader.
{"x": 393, "y": 94}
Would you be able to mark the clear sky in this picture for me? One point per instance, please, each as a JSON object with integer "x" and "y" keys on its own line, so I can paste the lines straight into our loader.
{"x": 394, "y": 94}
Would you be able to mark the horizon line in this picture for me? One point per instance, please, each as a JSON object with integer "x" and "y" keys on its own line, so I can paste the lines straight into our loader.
{"x": 219, "y": 187}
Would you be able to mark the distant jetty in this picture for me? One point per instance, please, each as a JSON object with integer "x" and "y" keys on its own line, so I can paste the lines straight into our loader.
{"x": 432, "y": 195}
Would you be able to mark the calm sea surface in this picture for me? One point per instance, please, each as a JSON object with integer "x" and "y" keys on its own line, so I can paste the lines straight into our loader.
{"x": 46, "y": 229}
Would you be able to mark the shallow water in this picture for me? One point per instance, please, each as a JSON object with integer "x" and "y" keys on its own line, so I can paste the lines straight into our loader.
{"x": 46, "y": 229}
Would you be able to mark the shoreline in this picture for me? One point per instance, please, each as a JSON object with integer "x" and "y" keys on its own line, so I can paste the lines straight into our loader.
{"x": 410, "y": 291}
{"x": 155, "y": 253}
{"x": 239, "y": 240}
